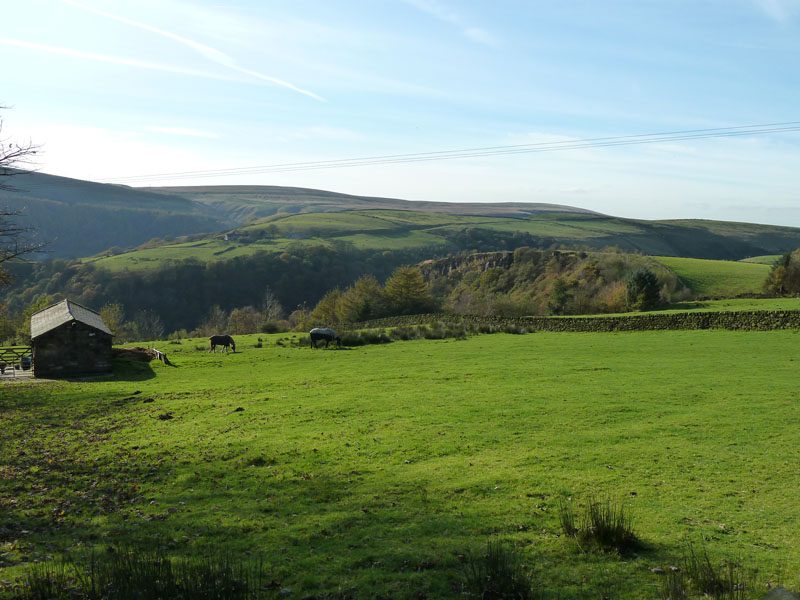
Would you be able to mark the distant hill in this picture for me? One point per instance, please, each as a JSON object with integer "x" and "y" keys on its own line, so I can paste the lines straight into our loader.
{"x": 246, "y": 203}
{"x": 433, "y": 235}
{"x": 81, "y": 218}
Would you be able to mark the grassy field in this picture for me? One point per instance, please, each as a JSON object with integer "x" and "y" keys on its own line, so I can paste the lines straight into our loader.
{"x": 730, "y": 304}
{"x": 204, "y": 251}
{"x": 372, "y": 470}
{"x": 718, "y": 278}
{"x": 769, "y": 259}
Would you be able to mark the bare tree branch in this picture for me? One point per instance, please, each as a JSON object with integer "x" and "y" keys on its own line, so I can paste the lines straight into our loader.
{"x": 14, "y": 242}
{"x": 14, "y": 157}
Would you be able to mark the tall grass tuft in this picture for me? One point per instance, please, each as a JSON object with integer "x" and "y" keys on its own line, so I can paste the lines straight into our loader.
{"x": 498, "y": 574}
{"x": 51, "y": 579}
{"x": 725, "y": 581}
{"x": 145, "y": 575}
{"x": 673, "y": 587}
{"x": 605, "y": 523}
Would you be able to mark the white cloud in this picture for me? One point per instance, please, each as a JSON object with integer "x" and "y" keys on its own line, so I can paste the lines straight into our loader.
{"x": 181, "y": 131}
{"x": 447, "y": 15}
{"x": 781, "y": 11}
{"x": 208, "y": 52}
{"x": 327, "y": 132}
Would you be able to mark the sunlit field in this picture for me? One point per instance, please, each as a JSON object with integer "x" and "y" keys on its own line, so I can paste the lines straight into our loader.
{"x": 372, "y": 469}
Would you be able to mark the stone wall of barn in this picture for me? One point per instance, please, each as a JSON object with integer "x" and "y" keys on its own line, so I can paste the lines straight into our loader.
{"x": 70, "y": 350}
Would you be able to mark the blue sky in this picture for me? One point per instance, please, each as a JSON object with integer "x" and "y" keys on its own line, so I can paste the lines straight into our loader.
{"x": 137, "y": 87}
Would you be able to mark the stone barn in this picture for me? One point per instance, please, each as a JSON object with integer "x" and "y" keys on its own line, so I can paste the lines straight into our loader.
{"x": 69, "y": 340}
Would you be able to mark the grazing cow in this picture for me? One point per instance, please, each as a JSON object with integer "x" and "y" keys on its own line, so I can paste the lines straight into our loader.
{"x": 329, "y": 335}
{"x": 221, "y": 340}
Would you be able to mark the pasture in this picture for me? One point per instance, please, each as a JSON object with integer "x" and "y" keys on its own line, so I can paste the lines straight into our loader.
{"x": 726, "y": 305}
{"x": 769, "y": 259}
{"x": 373, "y": 471}
{"x": 718, "y": 278}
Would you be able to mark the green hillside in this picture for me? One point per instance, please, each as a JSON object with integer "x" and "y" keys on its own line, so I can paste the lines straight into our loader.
{"x": 80, "y": 218}
{"x": 440, "y": 233}
{"x": 718, "y": 278}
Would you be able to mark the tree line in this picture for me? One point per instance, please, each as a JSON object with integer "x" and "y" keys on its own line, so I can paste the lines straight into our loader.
{"x": 181, "y": 295}
{"x": 316, "y": 285}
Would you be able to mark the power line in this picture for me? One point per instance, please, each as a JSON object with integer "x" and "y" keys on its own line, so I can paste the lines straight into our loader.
{"x": 601, "y": 142}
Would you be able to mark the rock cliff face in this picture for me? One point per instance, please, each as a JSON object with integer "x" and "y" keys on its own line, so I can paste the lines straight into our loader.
{"x": 481, "y": 261}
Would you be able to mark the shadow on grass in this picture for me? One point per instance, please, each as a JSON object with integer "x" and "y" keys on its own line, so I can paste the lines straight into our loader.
{"x": 132, "y": 370}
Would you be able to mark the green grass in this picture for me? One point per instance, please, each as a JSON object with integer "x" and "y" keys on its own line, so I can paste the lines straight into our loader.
{"x": 329, "y": 223}
{"x": 727, "y": 305}
{"x": 769, "y": 259}
{"x": 203, "y": 251}
{"x": 571, "y": 227}
{"x": 718, "y": 278}
{"x": 372, "y": 470}
{"x": 401, "y": 240}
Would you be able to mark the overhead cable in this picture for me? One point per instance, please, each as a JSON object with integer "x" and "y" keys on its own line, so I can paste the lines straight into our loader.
{"x": 601, "y": 142}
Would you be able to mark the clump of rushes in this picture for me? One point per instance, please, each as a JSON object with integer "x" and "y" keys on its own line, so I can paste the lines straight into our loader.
{"x": 723, "y": 581}
{"x": 497, "y": 574}
{"x": 139, "y": 574}
{"x": 605, "y": 523}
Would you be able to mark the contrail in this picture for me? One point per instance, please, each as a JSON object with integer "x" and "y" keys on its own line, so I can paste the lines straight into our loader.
{"x": 106, "y": 58}
{"x": 208, "y": 52}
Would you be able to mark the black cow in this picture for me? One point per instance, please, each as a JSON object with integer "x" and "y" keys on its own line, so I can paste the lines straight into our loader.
{"x": 221, "y": 340}
{"x": 329, "y": 335}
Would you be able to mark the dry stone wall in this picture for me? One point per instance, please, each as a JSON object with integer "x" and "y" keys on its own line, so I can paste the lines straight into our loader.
{"x": 741, "y": 320}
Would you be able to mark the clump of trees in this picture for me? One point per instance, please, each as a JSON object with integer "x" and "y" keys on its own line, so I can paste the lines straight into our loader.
{"x": 525, "y": 282}
{"x": 784, "y": 278}
{"x": 536, "y": 282}
{"x": 405, "y": 292}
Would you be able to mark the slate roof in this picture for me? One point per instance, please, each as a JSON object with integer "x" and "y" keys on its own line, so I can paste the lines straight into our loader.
{"x": 64, "y": 312}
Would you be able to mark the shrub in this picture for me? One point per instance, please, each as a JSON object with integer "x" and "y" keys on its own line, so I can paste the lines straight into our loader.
{"x": 363, "y": 338}
{"x": 604, "y": 523}
{"x": 281, "y": 326}
{"x": 405, "y": 333}
{"x": 498, "y": 574}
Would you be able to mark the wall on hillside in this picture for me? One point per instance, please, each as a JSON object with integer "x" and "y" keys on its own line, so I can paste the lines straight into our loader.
{"x": 739, "y": 320}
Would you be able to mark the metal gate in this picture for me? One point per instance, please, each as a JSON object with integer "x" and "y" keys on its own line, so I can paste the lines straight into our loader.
{"x": 15, "y": 360}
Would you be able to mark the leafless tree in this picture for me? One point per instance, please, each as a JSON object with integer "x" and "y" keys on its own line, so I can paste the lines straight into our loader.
{"x": 270, "y": 306}
{"x": 149, "y": 325}
{"x": 15, "y": 159}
